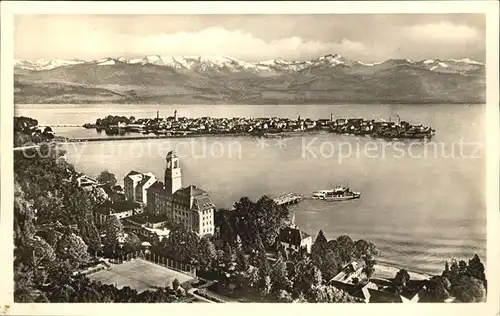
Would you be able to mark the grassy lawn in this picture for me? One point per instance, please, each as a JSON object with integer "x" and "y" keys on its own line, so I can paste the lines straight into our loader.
{"x": 140, "y": 275}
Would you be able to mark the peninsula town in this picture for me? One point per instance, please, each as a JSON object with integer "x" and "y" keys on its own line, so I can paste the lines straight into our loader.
{"x": 173, "y": 126}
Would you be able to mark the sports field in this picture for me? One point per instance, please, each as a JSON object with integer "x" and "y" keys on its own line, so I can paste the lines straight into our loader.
{"x": 140, "y": 275}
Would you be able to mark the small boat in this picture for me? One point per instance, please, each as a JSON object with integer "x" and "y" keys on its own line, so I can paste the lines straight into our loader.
{"x": 340, "y": 193}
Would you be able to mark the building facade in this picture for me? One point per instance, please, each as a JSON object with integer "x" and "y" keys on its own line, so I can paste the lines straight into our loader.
{"x": 190, "y": 206}
{"x": 292, "y": 238}
{"x": 120, "y": 210}
{"x": 136, "y": 185}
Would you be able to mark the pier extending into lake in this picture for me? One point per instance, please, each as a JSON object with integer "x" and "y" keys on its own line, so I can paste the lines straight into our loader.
{"x": 287, "y": 198}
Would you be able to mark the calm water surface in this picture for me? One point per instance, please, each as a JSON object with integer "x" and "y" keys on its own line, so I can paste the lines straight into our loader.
{"x": 422, "y": 203}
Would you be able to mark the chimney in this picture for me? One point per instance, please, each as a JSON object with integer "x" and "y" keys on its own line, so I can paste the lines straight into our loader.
{"x": 157, "y": 115}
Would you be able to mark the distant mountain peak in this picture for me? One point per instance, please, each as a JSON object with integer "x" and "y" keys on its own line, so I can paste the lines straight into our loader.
{"x": 333, "y": 58}
{"x": 229, "y": 64}
{"x": 466, "y": 61}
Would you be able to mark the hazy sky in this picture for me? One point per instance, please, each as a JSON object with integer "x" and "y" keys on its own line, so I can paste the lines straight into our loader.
{"x": 367, "y": 37}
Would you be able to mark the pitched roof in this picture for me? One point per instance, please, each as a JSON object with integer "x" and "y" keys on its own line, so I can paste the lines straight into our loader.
{"x": 193, "y": 191}
{"x": 132, "y": 173}
{"x": 202, "y": 203}
{"x": 171, "y": 153}
{"x": 134, "y": 176}
{"x": 349, "y": 269}
{"x": 144, "y": 179}
{"x": 123, "y": 206}
{"x": 377, "y": 296}
{"x": 190, "y": 194}
{"x": 139, "y": 219}
{"x": 157, "y": 187}
{"x": 292, "y": 235}
{"x": 151, "y": 218}
{"x": 356, "y": 290}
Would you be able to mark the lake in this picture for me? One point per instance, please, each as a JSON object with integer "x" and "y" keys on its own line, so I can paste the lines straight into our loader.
{"x": 422, "y": 202}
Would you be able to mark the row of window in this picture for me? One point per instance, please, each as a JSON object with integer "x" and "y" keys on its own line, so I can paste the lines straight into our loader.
{"x": 208, "y": 230}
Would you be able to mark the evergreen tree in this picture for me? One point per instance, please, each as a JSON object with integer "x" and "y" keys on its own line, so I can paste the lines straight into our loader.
{"x": 476, "y": 269}
{"x": 241, "y": 261}
{"x": 279, "y": 276}
{"x": 468, "y": 289}
{"x": 107, "y": 178}
{"x": 113, "y": 229}
{"x": 72, "y": 248}
{"x": 321, "y": 241}
{"x": 438, "y": 289}
{"x": 402, "y": 278}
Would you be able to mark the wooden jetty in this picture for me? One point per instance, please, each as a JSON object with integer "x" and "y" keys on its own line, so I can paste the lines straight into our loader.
{"x": 287, "y": 198}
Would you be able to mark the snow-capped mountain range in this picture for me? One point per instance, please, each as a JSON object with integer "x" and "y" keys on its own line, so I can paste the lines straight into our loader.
{"x": 218, "y": 79}
{"x": 204, "y": 63}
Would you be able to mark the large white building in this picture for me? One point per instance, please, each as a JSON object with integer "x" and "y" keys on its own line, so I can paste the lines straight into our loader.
{"x": 190, "y": 206}
{"x": 136, "y": 185}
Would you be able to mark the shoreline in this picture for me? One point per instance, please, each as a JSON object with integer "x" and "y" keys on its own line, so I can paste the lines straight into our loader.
{"x": 312, "y": 102}
{"x": 146, "y": 137}
{"x": 388, "y": 271}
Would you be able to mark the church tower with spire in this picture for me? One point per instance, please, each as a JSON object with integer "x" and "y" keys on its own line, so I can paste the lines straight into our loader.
{"x": 173, "y": 177}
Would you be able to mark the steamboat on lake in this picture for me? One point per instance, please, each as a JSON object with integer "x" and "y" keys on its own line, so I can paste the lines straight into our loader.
{"x": 339, "y": 193}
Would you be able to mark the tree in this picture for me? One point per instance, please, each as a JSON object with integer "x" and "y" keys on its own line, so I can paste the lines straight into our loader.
{"x": 344, "y": 247}
{"x": 241, "y": 261}
{"x": 259, "y": 245}
{"x": 42, "y": 253}
{"x": 307, "y": 275}
{"x": 207, "y": 253}
{"x": 453, "y": 273}
{"x": 402, "y": 278}
{"x": 269, "y": 218}
{"x": 239, "y": 246}
{"x": 318, "y": 248}
{"x": 330, "y": 265}
{"x": 72, "y": 248}
{"x": 107, "y": 178}
{"x": 321, "y": 241}
{"x": 446, "y": 270}
{"x": 113, "y": 229}
{"x": 182, "y": 246}
{"x": 223, "y": 219}
{"x": 363, "y": 248}
{"x": 98, "y": 196}
{"x": 90, "y": 234}
{"x": 264, "y": 218}
{"x": 439, "y": 289}
{"x": 462, "y": 267}
{"x": 469, "y": 289}
{"x": 284, "y": 296}
{"x": 369, "y": 268}
{"x": 176, "y": 284}
{"x": 279, "y": 277}
{"x": 476, "y": 269}
{"x": 328, "y": 294}
{"x": 24, "y": 215}
{"x": 229, "y": 255}
{"x": 52, "y": 237}
{"x": 132, "y": 243}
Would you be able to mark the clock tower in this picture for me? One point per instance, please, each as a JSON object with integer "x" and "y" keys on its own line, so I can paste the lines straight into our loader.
{"x": 173, "y": 178}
